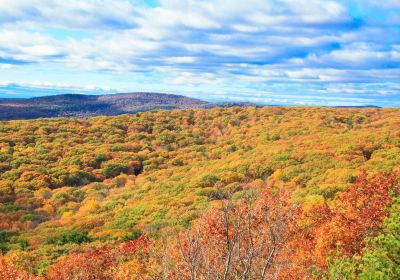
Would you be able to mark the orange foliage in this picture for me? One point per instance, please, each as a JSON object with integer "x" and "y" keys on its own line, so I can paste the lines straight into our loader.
{"x": 248, "y": 240}
{"x": 98, "y": 264}
{"x": 254, "y": 239}
{"x": 105, "y": 263}
{"x": 358, "y": 214}
{"x": 8, "y": 271}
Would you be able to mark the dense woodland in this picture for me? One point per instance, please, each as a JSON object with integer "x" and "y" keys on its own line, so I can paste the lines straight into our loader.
{"x": 236, "y": 193}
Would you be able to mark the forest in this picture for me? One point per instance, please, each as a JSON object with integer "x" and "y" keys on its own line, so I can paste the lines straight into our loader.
{"x": 221, "y": 193}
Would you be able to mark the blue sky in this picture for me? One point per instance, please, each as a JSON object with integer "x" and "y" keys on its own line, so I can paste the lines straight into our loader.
{"x": 295, "y": 52}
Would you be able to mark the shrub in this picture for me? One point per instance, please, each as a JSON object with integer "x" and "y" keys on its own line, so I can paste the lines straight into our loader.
{"x": 73, "y": 236}
{"x": 114, "y": 169}
{"x": 208, "y": 180}
{"x": 133, "y": 235}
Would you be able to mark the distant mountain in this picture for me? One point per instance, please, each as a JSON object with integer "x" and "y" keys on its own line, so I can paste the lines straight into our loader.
{"x": 359, "y": 106}
{"x": 78, "y": 105}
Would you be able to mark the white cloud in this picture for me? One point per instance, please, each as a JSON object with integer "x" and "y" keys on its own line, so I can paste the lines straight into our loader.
{"x": 360, "y": 56}
{"x": 18, "y": 45}
{"x": 6, "y": 66}
{"x": 88, "y": 14}
{"x": 180, "y": 59}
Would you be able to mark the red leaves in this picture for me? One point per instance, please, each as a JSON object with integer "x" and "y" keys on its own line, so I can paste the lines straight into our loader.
{"x": 255, "y": 238}
{"x": 240, "y": 241}
{"x": 98, "y": 264}
{"x": 363, "y": 210}
{"x": 8, "y": 271}
{"x": 358, "y": 214}
{"x": 132, "y": 247}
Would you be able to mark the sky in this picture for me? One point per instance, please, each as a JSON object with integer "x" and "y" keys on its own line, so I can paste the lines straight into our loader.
{"x": 288, "y": 52}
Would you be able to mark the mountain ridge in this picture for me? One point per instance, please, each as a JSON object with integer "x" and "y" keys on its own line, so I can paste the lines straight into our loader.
{"x": 83, "y": 106}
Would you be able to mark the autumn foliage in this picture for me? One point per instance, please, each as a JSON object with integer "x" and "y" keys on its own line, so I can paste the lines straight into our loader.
{"x": 244, "y": 241}
{"x": 262, "y": 238}
{"x": 249, "y": 193}
{"x": 343, "y": 228}
{"x": 99, "y": 264}
{"x": 9, "y": 271}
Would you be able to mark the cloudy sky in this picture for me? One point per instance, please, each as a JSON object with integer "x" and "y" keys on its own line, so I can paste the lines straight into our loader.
{"x": 295, "y": 52}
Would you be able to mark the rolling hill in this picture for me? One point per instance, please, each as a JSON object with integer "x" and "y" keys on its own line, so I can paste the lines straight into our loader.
{"x": 82, "y": 106}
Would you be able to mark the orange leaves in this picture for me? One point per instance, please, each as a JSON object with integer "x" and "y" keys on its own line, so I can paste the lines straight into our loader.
{"x": 254, "y": 239}
{"x": 358, "y": 214}
{"x": 177, "y": 164}
{"x": 120, "y": 262}
{"x": 9, "y": 271}
{"x": 248, "y": 240}
{"x": 98, "y": 264}
{"x": 136, "y": 246}
{"x": 137, "y": 258}
{"x": 363, "y": 209}
{"x": 245, "y": 240}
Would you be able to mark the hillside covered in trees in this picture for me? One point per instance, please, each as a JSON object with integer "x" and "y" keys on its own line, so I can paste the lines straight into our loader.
{"x": 84, "y": 106}
{"x": 235, "y": 193}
